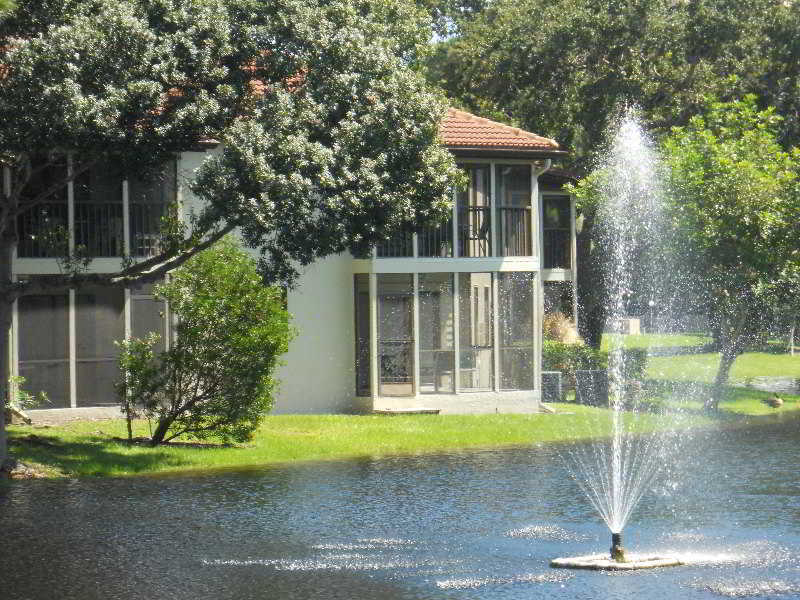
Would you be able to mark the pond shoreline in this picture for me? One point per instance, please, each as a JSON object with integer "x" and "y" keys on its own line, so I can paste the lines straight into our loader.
{"x": 88, "y": 448}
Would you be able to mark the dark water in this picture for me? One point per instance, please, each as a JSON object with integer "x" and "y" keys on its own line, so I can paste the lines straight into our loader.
{"x": 476, "y": 525}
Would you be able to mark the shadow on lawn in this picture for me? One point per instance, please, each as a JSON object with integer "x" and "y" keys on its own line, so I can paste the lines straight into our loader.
{"x": 95, "y": 456}
{"x": 737, "y": 406}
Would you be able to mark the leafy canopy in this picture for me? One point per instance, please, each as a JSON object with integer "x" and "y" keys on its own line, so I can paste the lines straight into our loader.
{"x": 735, "y": 204}
{"x": 564, "y": 68}
{"x": 329, "y": 136}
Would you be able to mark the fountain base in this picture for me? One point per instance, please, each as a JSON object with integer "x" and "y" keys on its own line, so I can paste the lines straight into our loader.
{"x": 603, "y": 562}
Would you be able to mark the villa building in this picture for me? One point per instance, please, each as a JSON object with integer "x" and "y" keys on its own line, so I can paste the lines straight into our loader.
{"x": 449, "y": 318}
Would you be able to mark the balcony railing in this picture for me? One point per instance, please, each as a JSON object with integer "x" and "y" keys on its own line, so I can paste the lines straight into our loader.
{"x": 436, "y": 242}
{"x": 515, "y": 230}
{"x": 98, "y": 229}
{"x": 474, "y": 231}
{"x": 43, "y": 230}
{"x": 557, "y": 254}
{"x": 146, "y": 228}
{"x": 398, "y": 246}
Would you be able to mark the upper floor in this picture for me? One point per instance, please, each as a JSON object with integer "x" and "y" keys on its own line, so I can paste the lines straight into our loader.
{"x": 513, "y": 208}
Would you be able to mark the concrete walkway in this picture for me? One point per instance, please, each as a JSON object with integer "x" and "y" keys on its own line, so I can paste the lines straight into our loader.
{"x": 59, "y": 416}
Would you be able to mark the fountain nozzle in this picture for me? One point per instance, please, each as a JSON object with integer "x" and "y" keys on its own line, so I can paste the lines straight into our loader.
{"x": 617, "y": 551}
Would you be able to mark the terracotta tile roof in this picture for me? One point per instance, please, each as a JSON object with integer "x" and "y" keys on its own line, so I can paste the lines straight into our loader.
{"x": 464, "y": 130}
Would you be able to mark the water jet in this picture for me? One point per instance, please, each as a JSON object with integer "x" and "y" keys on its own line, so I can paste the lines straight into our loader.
{"x": 614, "y": 474}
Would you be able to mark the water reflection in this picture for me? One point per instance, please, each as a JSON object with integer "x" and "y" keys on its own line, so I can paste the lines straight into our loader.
{"x": 473, "y": 525}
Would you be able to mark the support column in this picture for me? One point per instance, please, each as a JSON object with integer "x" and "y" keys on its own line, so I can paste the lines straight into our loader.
{"x": 373, "y": 336}
{"x": 127, "y": 313}
{"x": 492, "y": 210}
{"x": 73, "y": 358}
{"x": 456, "y": 251}
{"x": 415, "y": 330}
{"x": 70, "y": 207}
{"x": 495, "y": 331}
{"x": 14, "y": 346}
{"x": 573, "y": 236}
{"x": 456, "y": 336}
{"x": 126, "y": 220}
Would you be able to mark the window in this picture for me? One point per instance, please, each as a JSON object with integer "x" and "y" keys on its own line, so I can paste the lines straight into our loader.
{"x": 515, "y": 316}
{"x": 149, "y": 202}
{"x": 557, "y": 228}
{"x": 362, "y": 330}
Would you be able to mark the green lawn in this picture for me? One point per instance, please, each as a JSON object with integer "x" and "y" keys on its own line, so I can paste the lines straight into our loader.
{"x": 84, "y": 449}
{"x": 657, "y": 340}
{"x": 703, "y": 367}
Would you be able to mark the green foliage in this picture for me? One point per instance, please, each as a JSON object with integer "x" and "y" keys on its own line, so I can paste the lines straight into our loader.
{"x": 22, "y": 399}
{"x": 736, "y": 210}
{"x": 216, "y": 379}
{"x": 330, "y": 135}
{"x": 568, "y": 358}
{"x": 564, "y": 68}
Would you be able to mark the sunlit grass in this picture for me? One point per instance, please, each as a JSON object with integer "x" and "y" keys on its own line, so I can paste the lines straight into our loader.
{"x": 658, "y": 340}
{"x": 703, "y": 367}
{"x": 87, "y": 449}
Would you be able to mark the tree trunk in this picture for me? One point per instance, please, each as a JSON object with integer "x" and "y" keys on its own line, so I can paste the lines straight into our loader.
{"x": 792, "y": 329}
{"x": 161, "y": 430}
{"x": 591, "y": 287}
{"x": 6, "y": 304}
{"x": 721, "y": 380}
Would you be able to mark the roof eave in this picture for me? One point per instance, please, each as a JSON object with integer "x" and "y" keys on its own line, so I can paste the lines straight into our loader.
{"x": 505, "y": 151}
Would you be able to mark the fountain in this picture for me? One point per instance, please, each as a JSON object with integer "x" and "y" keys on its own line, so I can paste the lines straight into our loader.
{"x": 616, "y": 474}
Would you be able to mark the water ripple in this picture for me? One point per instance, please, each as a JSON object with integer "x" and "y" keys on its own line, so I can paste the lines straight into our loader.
{"x": 477, "y": 582}
{"x": 547, "y": 532}
{"x": 747, "y": 589}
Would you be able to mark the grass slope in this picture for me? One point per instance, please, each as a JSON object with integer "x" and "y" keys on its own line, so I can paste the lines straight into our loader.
{"x": 82, "y": 449}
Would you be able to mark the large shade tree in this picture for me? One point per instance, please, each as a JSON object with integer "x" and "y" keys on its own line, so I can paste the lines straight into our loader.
{"x": 329, "y": 136}
{"x": 735, "y": 204}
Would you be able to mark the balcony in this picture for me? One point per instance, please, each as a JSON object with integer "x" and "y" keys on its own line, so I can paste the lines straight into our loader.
{"x": 98, "y": 229}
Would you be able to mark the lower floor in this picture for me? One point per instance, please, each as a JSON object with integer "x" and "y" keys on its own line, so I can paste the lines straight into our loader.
{"x": 65, "y": 344}
{"x": 455, "y": 341}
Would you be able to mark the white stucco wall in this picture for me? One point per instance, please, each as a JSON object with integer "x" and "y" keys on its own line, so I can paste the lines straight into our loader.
{"x": 319, "y": 374}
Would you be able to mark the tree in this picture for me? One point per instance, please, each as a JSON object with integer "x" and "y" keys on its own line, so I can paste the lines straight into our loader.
{"x": 330, "y": 138}
{"x": 736, "y": 205}
{"x": 216, "y": 380}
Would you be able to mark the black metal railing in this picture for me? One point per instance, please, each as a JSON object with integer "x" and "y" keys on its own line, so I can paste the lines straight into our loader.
{"x": 515, "y": 230}
{"x": 436, "y": 242}
{"x": 98, "y": 228}
{"x": 474, "y": 231}
{"x": 43, "y": 231}
{"x": 557, "y": 249}
{"x": 398, "y": 246}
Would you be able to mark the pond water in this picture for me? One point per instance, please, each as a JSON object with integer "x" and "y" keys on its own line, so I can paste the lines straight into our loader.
{"x": 474, "y": 525}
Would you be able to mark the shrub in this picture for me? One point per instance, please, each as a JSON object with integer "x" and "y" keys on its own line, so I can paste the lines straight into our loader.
{"x": 559, "y": 328}
{"x": 568, "y": 358}
{"x": 216, "y": 378}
